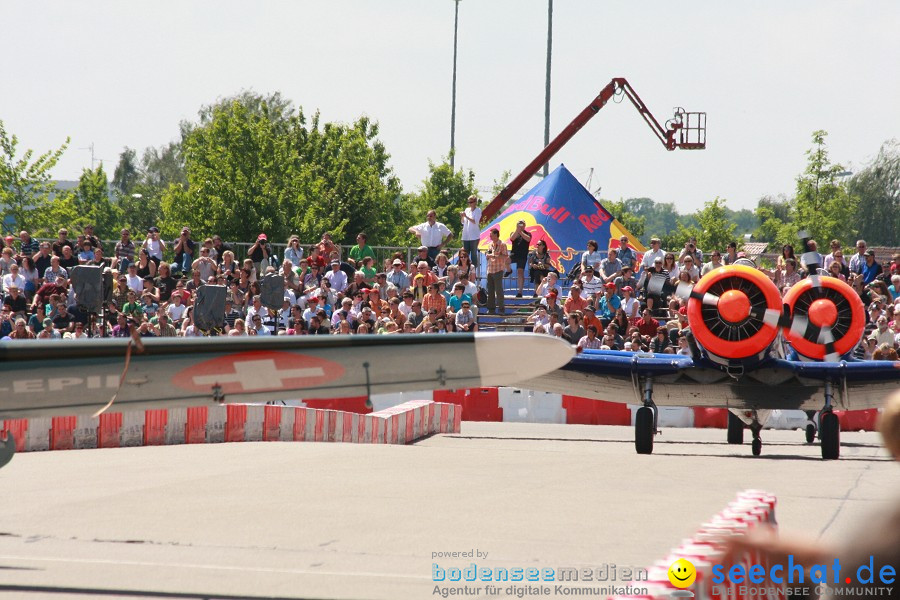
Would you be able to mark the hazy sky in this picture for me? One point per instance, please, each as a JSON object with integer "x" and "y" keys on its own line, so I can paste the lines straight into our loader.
{"x": 768, "y": 74}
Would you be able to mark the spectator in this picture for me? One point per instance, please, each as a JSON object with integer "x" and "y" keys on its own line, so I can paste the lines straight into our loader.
{"x": 419, "y": 288}
{"x": 689, "y": 266}
{"x": 654, "y": 253}
{"x": 465, "y": 263}
{"x": 653, "y": 282}
{"x": 715, "y": 261}
{"x": 21, "y": 332}
{"x": 132, "y": 308}
{"x": 43, "y": 259}
{"x": 145, "y": 266}
{"x": 122, "y": 328}
{"x": 464, "y": 319}
{"x": 360, "y": 251}
{"x": 61, "y": 242}
{"x": 397, "y": 276}
{"x": 647, "y": 325}
{"x": 470, "y": 218}
{"x": 671, "y": 267}
{"x": 630, "y": 305}
{"x": 540, "y": 265}
{"x": 834, "y": 270}
{"x": 470, "y": 287}
{"x": 415, "y": 317}
{"x": 591, "y": 285}
{"x": 28, "y": 247}
{"x": 14, "y": 302}
{"x": 432, "y": 234}
{"x": 206, "y": 266}
{"x": 336, "y": 277}
{"x": 48, "y": 332}
{"x": 68, "y": 258}
{"x": 882, "y": 334}
{"x": 260, "y": 254}
{"x": 551, "y": 301}
{"x": 540, "y": 318}
{"x": 294, "y": 252}
{"x": 154, "y": 245}
{"x": 787, "y": 251}
{"x": 870, "y": 268}
{"x": 591, "y": 257}
{"x": 573, "y": 331}
{"x": 730, "y": 253}
{"x": 626, "y": 254}
{"x": 497, "y": 261}
{"x": 590, "y": 341}
{"x": 691, "y": 249}
{"x": 31, "y": 275}
{"x": 660, "y": 343}
{"x": 610, "y": 267}
{"x": 176, "y": 310}
{"x": 520, "y": 241}
{"x": 86, "y": 253}
{"x": 441, "y": 264}
{"x": 12, "y": 278}
{"x": 575, "y": 302}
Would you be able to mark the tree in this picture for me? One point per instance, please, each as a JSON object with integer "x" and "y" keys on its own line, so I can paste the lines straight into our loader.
{"x": 25, "y": 185}
{"x": 878, "y": 189}
{"x": 127, "y": 174}
{"x": 716, "y": 230}
{"x": 445, "y": 191}
{"x": 823, "y": 206}
{"x": 633, "y": 223}
{"x": 93, "y": 204}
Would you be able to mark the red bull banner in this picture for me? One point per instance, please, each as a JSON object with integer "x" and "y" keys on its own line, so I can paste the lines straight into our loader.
{"x": 563, "y": 213}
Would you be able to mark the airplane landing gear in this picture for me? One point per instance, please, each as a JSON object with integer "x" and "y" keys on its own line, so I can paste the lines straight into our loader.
{"x": 811, "y": 427}
{"x": 829, "y": 428}
{"x": 735, "y": 429}
{"x": 645, "y": 421}
{"x": 756, "y": 445}
{"x": 830, "y": 435}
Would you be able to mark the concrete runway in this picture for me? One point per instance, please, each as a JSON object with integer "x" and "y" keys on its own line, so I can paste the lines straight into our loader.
{"x": 308, "y": 520}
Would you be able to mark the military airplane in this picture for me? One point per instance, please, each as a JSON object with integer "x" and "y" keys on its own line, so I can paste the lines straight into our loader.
{"x": 60, "y": 378}
{"x": 738, "y": 327}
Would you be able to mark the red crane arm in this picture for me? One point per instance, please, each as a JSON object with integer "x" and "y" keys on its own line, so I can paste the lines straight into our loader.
{"x": 618, "y": 85}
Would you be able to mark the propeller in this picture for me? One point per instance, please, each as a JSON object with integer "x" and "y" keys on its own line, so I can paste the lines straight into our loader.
{"x": 826, "y": 318}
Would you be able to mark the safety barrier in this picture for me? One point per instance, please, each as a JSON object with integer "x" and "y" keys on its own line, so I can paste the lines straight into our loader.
{"x": 400, "y": 424}
{"x": 708, "y": 546}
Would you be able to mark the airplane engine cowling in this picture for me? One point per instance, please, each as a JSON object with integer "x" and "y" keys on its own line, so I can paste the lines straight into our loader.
{"x": 827, "y": 318}
{"x": 733, "y": 312}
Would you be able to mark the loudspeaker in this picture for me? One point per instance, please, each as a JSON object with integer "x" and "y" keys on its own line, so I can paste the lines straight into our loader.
{"x": 272, "y": 290}
{"x": 209, "y": 307}
{"x": 88, "y": 283}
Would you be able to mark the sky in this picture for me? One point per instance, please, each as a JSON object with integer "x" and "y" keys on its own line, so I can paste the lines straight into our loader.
{"x": 767, "y": 73}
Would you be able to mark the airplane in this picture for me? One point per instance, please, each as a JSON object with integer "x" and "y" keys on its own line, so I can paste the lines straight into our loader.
{"x": 737, "y": 317}
{"x": 41, "y": 378}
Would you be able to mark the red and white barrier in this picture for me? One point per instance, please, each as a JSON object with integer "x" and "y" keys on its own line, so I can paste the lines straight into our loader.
{"x": 707, "y": 548}
{"x": 400, "y": 424}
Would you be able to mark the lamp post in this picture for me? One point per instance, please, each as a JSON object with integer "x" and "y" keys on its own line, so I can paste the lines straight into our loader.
{"x": 547, "y": 89}
{"x": 453, "y": 102}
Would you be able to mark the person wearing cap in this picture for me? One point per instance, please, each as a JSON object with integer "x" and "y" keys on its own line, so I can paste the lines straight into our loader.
{"x": 627, "y": 278}
{"x": 154, "y": 245}
{"x": 48, "y": 332}
{"x": 397, "y": 276}
{"x": 653, "y": 283}
{"x": 379, "y": 307}
{"x": 651, "y": 255}
{"x": 608, "y": 304}
{"x": 260, "y": 253}
{"x": 336, "y": 277}
{"x": 630, "y": 305}
{"x": 432, "y": 234}
{"x": 591, "y": 285}
{"x": 871, "y": 268}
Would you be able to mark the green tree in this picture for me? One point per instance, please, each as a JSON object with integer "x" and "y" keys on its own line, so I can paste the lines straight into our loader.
{"x": 127, "y": 174}
{"x": 25, "y": 185}
{"x": 716, "y": 230}
{"x": 823, "y": 205}
{"x": 445, "y": 191}
{"x": 633, "y": 223}
{"x": 878, "y": 189}
{"x": 94, "y": 206}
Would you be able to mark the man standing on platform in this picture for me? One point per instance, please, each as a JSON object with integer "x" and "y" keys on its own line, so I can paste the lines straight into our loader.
{"x": 432, "y": 233}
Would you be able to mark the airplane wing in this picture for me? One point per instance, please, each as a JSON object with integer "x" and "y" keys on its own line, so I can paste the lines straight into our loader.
{"x": 62, "y": 377}
{"x": 682, "y": 381}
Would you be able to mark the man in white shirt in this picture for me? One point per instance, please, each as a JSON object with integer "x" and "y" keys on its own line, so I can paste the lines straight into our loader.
{"x": 13, "y": 278}
{"x": 650, "y": 256}
{"x": 471, "y": 217}
{"x": 336, "y": 277}
{"x": 176, "y": 310}
{"x": 134, "y": 282}
{"x": 432, "y": 234}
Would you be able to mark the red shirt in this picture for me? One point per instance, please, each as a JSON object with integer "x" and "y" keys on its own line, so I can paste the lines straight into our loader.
{"x": 647, "y": 327}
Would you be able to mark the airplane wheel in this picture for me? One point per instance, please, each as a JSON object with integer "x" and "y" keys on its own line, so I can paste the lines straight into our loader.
{"x": 830, "y": 436}
{"x": 735, "y": 429}
{"x": 757, "y": 447}
{"x": 643, "y": 430}
{"x": 810, "y": 433}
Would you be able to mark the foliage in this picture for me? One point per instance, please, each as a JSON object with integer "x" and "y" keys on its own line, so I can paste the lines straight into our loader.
{"x": 127, "y": 174}
{"x": 94, "y": 206}
{"x": 634, "y": 223}
{"x": 25, "y": 185}
{"x": 445, "y": 191}
{"x": 716, "y": 229}
{"x": 878, "y": 189}
{"x": 823, "y": 205}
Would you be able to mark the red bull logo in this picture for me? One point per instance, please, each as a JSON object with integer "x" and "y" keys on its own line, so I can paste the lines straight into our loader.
{"x": 538, "y": 232}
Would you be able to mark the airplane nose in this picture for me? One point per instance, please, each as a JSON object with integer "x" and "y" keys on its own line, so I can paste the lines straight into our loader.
{"x": 822, "y": 313}
{"x": 734, "y": 306}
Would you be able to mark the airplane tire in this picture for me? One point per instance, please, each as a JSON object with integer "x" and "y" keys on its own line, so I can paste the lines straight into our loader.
{"x": 756, "y": 447}
{"x": 830, "y": 436}
{"x": 810, "y": 433}
{"x": 735, "y": 429}
{"x": 643, "y": 430}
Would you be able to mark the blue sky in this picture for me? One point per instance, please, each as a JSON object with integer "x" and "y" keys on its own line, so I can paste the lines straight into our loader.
{"x": 767, "y": 73}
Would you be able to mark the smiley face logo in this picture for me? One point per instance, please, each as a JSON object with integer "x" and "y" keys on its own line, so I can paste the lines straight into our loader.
{"x": 682, "y": 573}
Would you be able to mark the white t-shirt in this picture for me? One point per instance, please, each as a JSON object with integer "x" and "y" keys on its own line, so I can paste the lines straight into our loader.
{"x": 154, "y": 248}
{"x": 471, "y": 231}
{"x": 432, "y": 235}
{"x": 176, "y": 311}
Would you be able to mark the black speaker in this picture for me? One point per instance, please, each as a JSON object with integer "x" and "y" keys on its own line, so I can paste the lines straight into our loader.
{"x": 209, "y": 307}
{"x": 272, "y": 291}
{"x": 88, "y": 283}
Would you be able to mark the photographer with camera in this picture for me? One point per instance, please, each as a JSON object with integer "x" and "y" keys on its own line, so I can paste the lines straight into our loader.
{"x": 691, "y": 249}
{"x": 260, "y": 253}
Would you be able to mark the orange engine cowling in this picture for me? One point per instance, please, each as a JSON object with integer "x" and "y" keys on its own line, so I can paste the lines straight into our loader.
{"x": 827, "y": 318}
{"x": 734, "y": 313}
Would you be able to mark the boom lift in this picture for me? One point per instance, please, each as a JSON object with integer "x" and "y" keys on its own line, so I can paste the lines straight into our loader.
{"x": 685, "y": 130}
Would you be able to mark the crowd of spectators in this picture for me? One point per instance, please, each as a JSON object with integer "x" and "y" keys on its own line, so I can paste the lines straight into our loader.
{"x": 612, "y": 299}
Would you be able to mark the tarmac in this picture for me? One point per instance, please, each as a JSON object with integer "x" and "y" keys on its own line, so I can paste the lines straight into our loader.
{"x": 318, "y": 520}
